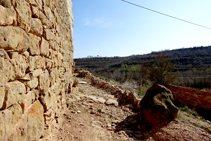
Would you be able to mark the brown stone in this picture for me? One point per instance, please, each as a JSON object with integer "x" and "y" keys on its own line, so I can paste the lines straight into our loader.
{"x": 32, "y": 83}
{"x": 49, "y": 14}
{"x": 32, "y": 61}
{"x": 14, "y": 39}
{"x": 11, "y": 116}
{"x": 3, "y": 76}
{"x": 4, "y": 54}
{"x": 32, "y": 2}
{"x": 36, "y": 72}
{"x": 44, "y": 48}
{"x": 39, "y": 3}
{"x": 7, "y": 16}
{"x": 15, "y": 92}
{"x": 19, "y": 64}
{"x": 30, "y": 98}
{"x": 49, "y": 34}
{"x": 24, "y": 14}
{"x": 2, "y": 96}
{"x": 44, "y": 81}
{"x": 157, "y": 107}
{"x": 39, "y": 62}
{"x": 35, "y": 44}
{"x": 54, "y": 74}
{"x": 36, "y": 27}
{"x": 5, "y": 3}
{"x": 31, "y": 125}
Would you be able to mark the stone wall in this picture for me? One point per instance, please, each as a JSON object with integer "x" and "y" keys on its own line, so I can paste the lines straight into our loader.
{"x": 36, "y": 64}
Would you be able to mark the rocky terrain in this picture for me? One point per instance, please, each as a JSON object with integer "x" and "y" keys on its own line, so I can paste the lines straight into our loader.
{"x": 94, "y": 114}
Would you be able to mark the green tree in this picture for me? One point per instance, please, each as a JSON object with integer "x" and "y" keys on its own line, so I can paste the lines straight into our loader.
{"x": 159, "y": 71}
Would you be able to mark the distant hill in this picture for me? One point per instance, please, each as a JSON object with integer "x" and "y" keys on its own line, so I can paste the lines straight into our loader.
{"x": 184, "y": 58}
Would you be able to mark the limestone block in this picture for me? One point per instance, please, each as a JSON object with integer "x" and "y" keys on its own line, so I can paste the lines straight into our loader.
{"x": 35, "y": 12}
{"x": 2, "y": 127}
{"x": 5, "y": 3}
{"x": 4, "y": 54}
{"x": 44, "y": 81}
{"x": 25, "y": 54}
{"x": 39, "y": 3}
{"x": 32, "y": 2}
{"x": 14, "y": 39}
{"x": 49, "y": 34}
{"x": 2, "y": 95}
{"x": 36, "y": 27}
{"x": 31, "y": 60}
{"x": 7, "y": 16}
{"x": 48, "y": 100}
{"x": 47, "y": 3}
{"x": 61, "y": 72}
{"x": 35, "y": 44}
{"x": 19, "y": 64}
{"x": 48, "y": 63}
{"x": 29, "y": 99}
{"x": 3, "y": 77}
{"x": 54, "y": 74}
{"x": 10, "y": 118}
{"x": 54, "y": 45}
{"x": 35, "y": 123}
{"x": 39, "y": 62}
{"x": 44, "y": 48}
{"x": 24, "y": 14}
{"x": 32, "y": 83}
{"x": 36, "y": 73}
{"x": 15, "y": 92}
{"x": 49, "y": 14}
{"x": 38, "y": 14}
{"x": 31, "y": 125}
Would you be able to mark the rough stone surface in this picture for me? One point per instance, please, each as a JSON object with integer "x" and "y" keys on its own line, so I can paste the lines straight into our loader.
{"x": 15, "y": 92}
{"x": 7, "y": 16}
{"x": 44, "y": 81}
{"x": 111, "y": 102}
{"x": 2, "y": 95}
{"x": 35, "y": 44}
{"x": 24, "y": 14}
{"x": 157, "y": 107}
{"x": 14, "y": 39}
{"x": 36, "y": 58}
{"x": 36, "y": 27}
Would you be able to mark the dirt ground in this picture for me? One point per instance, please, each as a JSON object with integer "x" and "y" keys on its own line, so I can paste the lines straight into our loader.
{"x": 93, "y": 114}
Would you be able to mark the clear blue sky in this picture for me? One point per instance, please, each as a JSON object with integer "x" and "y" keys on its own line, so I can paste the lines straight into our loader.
{"x": 115, "y": 28}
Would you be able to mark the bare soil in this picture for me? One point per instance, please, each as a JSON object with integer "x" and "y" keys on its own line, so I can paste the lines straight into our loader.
{"x": 93, "y": 115}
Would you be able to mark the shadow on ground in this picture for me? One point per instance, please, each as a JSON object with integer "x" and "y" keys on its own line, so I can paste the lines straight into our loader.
{"x": 136, "y": 128}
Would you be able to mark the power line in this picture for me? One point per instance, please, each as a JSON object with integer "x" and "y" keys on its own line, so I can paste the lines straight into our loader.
{"x": 166, "y": 15}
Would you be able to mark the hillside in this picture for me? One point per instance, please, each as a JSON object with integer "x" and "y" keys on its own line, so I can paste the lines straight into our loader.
{"x": 185, "y": 59}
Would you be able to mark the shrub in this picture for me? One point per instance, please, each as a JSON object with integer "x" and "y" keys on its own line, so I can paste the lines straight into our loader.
{"x": 159, "y": 71}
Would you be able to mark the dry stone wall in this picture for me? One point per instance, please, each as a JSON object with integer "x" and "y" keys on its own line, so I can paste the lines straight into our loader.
{"x": 36, "y": 64}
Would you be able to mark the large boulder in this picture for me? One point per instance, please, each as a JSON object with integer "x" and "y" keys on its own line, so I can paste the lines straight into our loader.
{"x": 157, "y": 108}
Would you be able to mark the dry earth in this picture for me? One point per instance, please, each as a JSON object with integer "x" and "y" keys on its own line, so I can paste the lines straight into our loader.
{"x": 93, "y": 114}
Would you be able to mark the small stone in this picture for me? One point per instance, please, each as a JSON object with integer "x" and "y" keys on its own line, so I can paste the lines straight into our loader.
{"x": 111, "y": 102}
{"x": 92, "y": 112}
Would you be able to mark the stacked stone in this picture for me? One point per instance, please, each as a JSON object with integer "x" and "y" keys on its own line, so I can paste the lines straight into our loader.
{"x": 125, "y": 97}
{"x": 36, "y": 59}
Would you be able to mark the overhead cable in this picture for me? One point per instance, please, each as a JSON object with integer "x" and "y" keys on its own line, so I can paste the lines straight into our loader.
{"x": 166, "y": 14}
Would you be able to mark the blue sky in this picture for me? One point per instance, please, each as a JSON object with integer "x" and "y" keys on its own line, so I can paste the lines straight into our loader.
{"x": 114, "y": 28}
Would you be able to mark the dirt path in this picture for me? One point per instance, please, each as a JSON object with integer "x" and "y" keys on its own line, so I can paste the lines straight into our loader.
{"x": 94, "y": 115}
